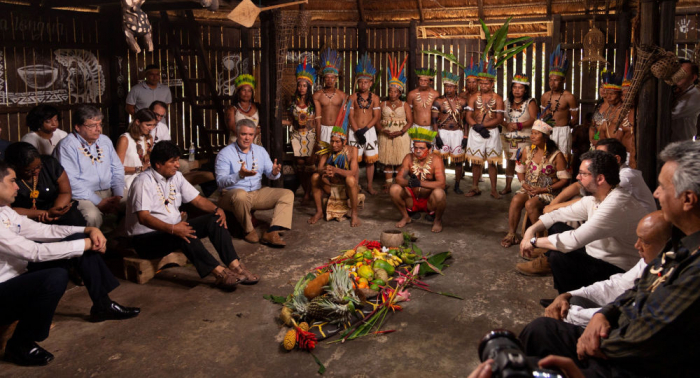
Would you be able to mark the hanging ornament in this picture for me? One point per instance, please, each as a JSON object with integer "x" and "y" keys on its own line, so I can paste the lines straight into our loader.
{"x": 593, "y": 45}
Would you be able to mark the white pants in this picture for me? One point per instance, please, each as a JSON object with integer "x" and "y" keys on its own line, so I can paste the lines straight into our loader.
{"x": 452, "y": 144}
{"x": 326, "y": 132}
{"x": 561, "y": 135}
{"x": 369, "y": 151}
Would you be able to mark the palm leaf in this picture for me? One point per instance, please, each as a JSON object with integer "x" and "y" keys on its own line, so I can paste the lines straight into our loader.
{"x": 518, "y": 50}
{"x": 501, "y": 37}
{"x": 517, "y": 40}
{"x": 447, "y": 56}
{"x": 486, "y": 29}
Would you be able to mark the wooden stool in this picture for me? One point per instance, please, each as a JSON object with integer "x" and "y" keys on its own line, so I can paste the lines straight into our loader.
{"x": 6, "y": 332}
{"x": 143, "y": 270}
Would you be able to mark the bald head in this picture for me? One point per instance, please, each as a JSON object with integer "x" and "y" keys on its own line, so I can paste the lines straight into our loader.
{"x": 653, "y": 232}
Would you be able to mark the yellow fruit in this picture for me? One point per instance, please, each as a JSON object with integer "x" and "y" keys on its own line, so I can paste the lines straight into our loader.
{"x": 286, "y": 316}
{"x": 362, "y": 281}
{"x": 304, "y": 326}
{"x": 290, "y": 339}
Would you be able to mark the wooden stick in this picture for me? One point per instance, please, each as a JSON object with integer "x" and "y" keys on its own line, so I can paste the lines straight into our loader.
{"x": 284, "y": 5}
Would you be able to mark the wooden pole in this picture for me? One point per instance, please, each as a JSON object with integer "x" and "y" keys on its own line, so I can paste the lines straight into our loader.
{"x": 412, "y": 56}
{"x": 361, "y": 38}
{"x": 115, "y": 38}
{"x": 624, "y": 38}
{"x": 272, "y": 137}
{"x": 647, "y": 102}
{"x": 667, "y": 24}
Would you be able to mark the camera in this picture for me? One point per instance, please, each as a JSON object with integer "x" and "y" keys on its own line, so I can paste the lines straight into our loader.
{"x": 503, "y": 347}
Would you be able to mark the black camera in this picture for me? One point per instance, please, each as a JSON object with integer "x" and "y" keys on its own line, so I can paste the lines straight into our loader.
{"x": 503, "y": 347}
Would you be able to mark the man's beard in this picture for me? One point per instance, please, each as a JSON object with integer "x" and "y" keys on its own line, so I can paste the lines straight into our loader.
{"x": 583, "y": 191}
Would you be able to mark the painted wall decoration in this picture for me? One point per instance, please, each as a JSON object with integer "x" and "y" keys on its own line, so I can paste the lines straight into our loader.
{"x": 233, "y": 66}
{"x": 62, "y": 75}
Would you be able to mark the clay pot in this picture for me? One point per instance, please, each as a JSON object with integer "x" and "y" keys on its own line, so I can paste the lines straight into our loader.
{"x": 391, "y": 238}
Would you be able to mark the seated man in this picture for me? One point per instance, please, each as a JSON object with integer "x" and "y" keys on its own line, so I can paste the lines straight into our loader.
{"x": 420, "y": 181}
{"x": 630, "y": 180}
{"x": 578, "y": 306}
{"x": 239, "y": 169}
{"x": 154, "y": 220}
{"x": 94, "y": 170}
{"x": 651, "y": 330}
{"x": 161, "y": 131}
{"x": 34, "y": 275}
{"x": 603, "y": 245}
{"x": 337, "y": 166}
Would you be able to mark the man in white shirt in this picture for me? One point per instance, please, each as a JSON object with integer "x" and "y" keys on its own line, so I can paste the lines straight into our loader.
{"x": 630, "y": 180}
{"x": 686, "y": 104}
{"x": 161, "y": 131}
{"x": 154, "y": 220}
{"x": 34, "y": 261}
{"x": 578, "y": 306}
{"x": 143, "y": 94}
{"x": 603, "y": 245}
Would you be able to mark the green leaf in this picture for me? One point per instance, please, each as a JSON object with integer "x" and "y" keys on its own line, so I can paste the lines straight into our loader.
{"x": 500, "y": 40}
{"x": 518, "y": 40}
{"x": 321, "y": 369}
{"x": 486, "y": 29}
{"x": 450, "y": 295}
{"x": 447, "y": 56}
{"x": 437, "y": 262}
{"x": 275, "y": 298}
{"x": 417, "y": 250}
{"x": 517, "y": 51}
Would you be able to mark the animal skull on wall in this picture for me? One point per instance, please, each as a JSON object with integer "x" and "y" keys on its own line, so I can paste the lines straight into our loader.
{"x": 135, "y": 24}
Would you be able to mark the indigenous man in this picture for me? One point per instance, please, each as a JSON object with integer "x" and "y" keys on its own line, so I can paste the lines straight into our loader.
{"x": 608, "y": 126}
{"x": 451, "y": 139}
{"x": 328, "y": 101}
{"x": 96, "y": 174}
{"x": 420, "y": 181}
{"x": 484, "y": 114}
{"x": 142, "y": 95}
{"x": 364, "y": 116}
{"x": 421, "y": 99}
{"x": 472, "y": 85}
{"x": 239, "y": 169}
{"x": 559, "y": 103}
{"x": 337, "y": 166}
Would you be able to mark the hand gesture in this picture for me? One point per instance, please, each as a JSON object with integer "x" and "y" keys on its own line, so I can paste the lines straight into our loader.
{"x": 526, "y": 248}
{"x": 57, "y": 212}
{"x": 559, "y": 308}
{"x": 512, "y": 126}
{"x": 276, "y": 168}
{"x": 222, "y": 217}
{"x": 243, "y": 173}
{"x": 44, "y": 217}
{"x": 330, "y": 171}
{"x": 185, "y": 231}
{"x": 589, "y": 342}
{"x": 97, "y": 238}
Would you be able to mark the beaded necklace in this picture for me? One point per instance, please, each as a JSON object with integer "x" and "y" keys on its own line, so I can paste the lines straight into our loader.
{"x": 361, "y": 102}
{"x": 485, "y": 108}
{"x": 171, "y": 195}
{"x": 240, "y": 160}
{"x": 556, "y": 107}
{"x": 250, "y": 106}
{"x": 33, "y": 193}
{"x": 419, "y": 99}
{"x": 422, "y": 170}
{"x": 86, "y": 151}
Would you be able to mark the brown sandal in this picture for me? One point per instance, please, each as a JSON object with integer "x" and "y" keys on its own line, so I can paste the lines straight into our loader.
{"x": 247, "y": 277}
{"x": 509, "y": 240}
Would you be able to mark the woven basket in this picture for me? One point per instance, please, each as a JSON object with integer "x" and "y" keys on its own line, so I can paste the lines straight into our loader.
{"x": 304, "y": 23}
{"x": 666, "y": 67}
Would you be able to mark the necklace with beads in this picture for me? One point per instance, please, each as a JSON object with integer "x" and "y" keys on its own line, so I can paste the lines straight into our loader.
{"x": 88, "y": 154}
{"x": 419, "y": 99}
{"x": 240, "y": 160}
{"x": 364, "y": 104}
{"x": 33, "y": 193}
{"x": 166, "y": 200}
{"x": 250, "y": 106}
{"x": 331, "y": 96}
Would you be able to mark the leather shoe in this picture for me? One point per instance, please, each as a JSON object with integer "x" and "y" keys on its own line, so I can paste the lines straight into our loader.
{"x": 252, "y": 237}
{"x": 114, "y": 311}
{"x": 226, "y": 280}
{"x": 29, "y": 354}
{"x": 537, "y": 267}
{"x": 273, "y": 239}
{"x": 546, "y": 302}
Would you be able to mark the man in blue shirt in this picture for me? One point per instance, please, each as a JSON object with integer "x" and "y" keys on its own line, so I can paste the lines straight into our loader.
{"x": 239, "y": 170}
{"x": 96, "y": 174}
{"x": 142, "y": 95}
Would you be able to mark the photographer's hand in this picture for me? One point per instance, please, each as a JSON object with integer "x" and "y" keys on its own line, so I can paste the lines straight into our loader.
{"x": 565, "y": 364}
{"x": 559, "y": 307}
{"x": 589, "y": 342}
{"x": 483, "y": 370}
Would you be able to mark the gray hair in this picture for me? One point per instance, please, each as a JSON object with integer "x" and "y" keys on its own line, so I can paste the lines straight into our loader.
{"x": 687, "y": 175}
{"x": 84, "y": 113}
{"x": 244, "y": 123}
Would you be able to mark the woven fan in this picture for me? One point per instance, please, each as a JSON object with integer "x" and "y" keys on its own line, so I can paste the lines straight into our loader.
{"x": 246, "y": 12}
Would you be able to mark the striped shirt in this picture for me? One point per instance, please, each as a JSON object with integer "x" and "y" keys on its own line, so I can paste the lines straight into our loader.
{"x": 655, "y": 326}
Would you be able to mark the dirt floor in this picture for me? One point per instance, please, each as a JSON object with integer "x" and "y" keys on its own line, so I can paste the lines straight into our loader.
{"x": 189, "y": 329}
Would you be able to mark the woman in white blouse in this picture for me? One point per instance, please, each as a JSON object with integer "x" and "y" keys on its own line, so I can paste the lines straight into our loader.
{"x": 43, "y": 121}
{"x": 135, "y": 145}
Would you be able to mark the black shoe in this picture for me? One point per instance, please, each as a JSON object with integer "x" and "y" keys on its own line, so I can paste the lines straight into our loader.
{"x": 414, "y": 215}
{"x": 430, "y": 217}
{"x": 546, "y": 302}
{"x": 29, "y": 354}
{"x": 458, "y": 190}
{"x": 115, "y": 311}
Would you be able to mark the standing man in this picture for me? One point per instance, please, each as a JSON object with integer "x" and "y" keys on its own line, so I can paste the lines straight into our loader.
{"x": 329, "y": 101}
{"x": 484, "y": 114}
{"x": 420, "y": 182}
{"x": 337, "y": 166}
{"x": 239, "y": 168}
{"x": 421, "y": 99}
{"x": 142, "y": 95}
{"x": 161, "y": 131}
{"x": 93, "y": 167}
{"x": 364, "y": 115}
{"x": 447, "y": 119}
{"x": 559, "y": 103}
{"x": 686, "y": 104}
{"x": 34, "y": 261}
{"x": 471, "y": 81}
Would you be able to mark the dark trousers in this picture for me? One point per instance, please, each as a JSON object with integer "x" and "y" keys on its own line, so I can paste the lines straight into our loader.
{"x": 72, "y": 218}
{"x": 157, "y": 244}
{"x": 576, "y": 269}
{"x": 32, "y": 298}
{"x": 99, "y": 280}
{"x": 545, "y": 336}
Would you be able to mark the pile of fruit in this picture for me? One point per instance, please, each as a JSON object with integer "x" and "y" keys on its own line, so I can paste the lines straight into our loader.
{"x": 373, "y": 267}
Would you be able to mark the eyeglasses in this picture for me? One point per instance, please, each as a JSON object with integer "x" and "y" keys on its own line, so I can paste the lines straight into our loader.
{"x": 585, "y": 173}
{"x": 159, "y": 116}
{"x": 92, "y": 126}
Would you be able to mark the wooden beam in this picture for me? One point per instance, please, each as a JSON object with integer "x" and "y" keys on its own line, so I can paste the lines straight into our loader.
{"x": 420, "y": 11}
{"x": 480, "y": 4}
{"x": 624, "y": 37}
{"x": 667, "y": 26}
{"x": 151, "y": 6}
{"x": 412, "y": 56}
{"x": 361, "y": 9}
{"x": 549, "y": 8}
{"x": 647, "y": 101}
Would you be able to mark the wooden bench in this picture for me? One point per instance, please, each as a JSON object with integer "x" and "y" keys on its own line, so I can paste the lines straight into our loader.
{"x": 143, "y": 270}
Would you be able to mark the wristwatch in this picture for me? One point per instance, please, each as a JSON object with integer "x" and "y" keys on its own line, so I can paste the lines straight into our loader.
{"x": 533, "y": 241}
